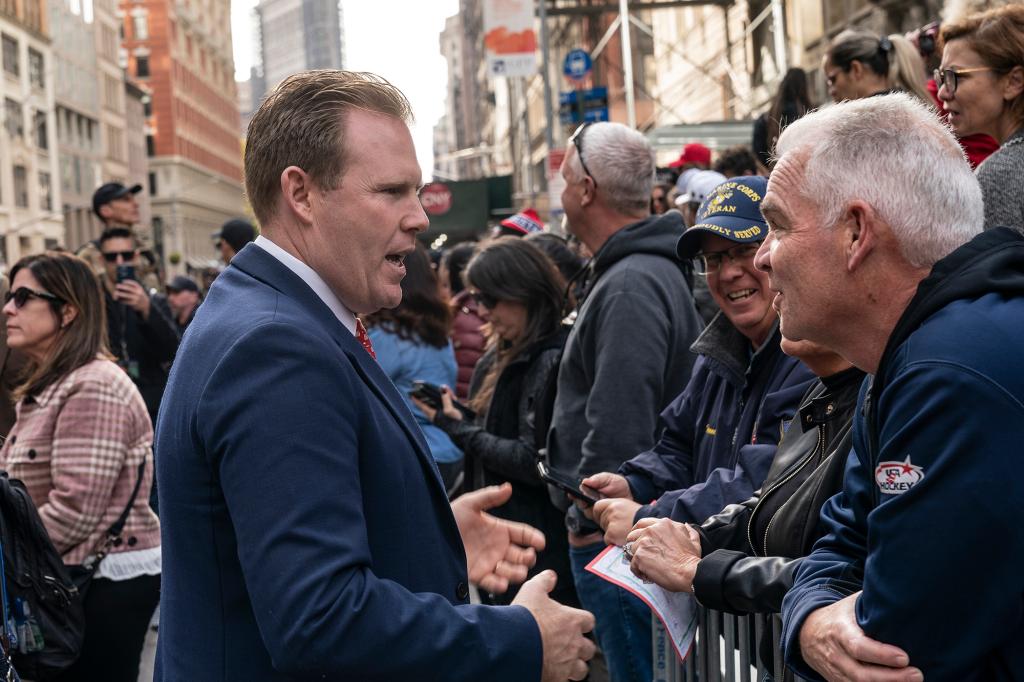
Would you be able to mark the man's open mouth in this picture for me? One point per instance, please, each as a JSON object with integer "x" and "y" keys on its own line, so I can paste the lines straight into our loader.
{"x": 741, "y": 294}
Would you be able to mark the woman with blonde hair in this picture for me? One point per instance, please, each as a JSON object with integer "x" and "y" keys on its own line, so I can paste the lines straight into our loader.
{"x": 82, "y": 446}
{"x": 981, "y": 85}
{"x": 861, "y": 64}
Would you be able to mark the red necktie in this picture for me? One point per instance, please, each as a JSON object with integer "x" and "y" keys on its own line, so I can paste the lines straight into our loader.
{"x": 364, "y": 338}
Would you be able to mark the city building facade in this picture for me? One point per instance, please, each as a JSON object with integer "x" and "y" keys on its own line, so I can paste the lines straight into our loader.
{"x": 30, "y": 197}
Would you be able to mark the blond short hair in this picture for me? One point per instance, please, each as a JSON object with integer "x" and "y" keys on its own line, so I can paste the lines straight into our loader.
{"x": 301, "y": 124}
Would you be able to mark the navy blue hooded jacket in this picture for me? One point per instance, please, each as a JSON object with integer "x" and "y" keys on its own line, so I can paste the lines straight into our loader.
{"x": 929, "y": 522}
{"x": 720, "y": 435}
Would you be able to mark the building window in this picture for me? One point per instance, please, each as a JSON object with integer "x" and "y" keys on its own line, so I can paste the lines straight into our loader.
{"x": 39, "y": 125}
{"x": 152, "y": 184}
{"x": 147, "y": 105}
{"x": 140, "y": 26}
{"x": 13, "y": 118}
{"x": 36, "y": 69}
{"x": 142, "y": 66}
{"x": 10, "y": 47}
{"x": 150, "y": 145}
{"x": 21, "y": 187}
{"x": 45, "y": 196}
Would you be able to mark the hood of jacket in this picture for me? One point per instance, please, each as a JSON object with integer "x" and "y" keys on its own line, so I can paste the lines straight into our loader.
{"x": 656, "y": 235}
{"x": 992, "y": 262}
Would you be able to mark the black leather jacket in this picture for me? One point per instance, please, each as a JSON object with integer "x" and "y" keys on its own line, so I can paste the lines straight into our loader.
{"x": 751, "y": 550}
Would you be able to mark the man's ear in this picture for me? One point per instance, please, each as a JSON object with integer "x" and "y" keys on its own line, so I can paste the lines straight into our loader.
{"x": 106, "y": 212}
{"x": 589, "y": 191}
{"x": 860, "y": 233}
{"x": 296, "y": 189}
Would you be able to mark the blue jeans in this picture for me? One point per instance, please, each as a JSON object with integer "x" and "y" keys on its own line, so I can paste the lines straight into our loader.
{"x": 623, "y": 622}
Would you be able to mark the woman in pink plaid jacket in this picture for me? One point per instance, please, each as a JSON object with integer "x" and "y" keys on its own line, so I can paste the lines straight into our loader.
{"x": 81, "y": 432}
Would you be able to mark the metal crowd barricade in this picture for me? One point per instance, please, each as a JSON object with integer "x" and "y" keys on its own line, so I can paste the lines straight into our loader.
{"x": 724, "y": 650}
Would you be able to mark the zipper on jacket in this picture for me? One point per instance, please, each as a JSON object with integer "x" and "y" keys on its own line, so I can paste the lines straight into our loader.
{"x": 796, "y": 469}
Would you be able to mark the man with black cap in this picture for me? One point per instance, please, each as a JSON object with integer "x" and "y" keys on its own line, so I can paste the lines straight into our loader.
{"x": 720, "y": 434}
{"x": 115, "y": 204}
{"x": 233, "y": 236}
{"x": 184, "y": 297}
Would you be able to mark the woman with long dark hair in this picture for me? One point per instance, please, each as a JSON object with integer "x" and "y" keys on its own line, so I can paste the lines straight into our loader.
{"x": 792, "y": 100}
{"x": 81, "y": 442}
{"x": 521, "y": 296}
{"x": 411, "y": 343}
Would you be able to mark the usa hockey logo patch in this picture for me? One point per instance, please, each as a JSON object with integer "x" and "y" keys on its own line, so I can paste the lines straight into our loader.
{"x": 896, "y": 478}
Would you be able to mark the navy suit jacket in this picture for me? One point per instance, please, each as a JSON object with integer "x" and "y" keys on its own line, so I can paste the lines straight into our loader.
{"x": 306, "y": 532}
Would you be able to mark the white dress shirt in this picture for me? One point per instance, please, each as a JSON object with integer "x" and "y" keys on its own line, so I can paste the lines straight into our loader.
{"x": 313, "y": 280}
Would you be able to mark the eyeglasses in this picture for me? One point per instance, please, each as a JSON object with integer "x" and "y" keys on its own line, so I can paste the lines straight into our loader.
{"x": 950, "y": 77}
{"x": 577, "y": 141}
{"x": 712, "y": 262}
{"x": 111, "y": 256}
{"x": 486, "y": 300}
{"x": 21, "y": 295}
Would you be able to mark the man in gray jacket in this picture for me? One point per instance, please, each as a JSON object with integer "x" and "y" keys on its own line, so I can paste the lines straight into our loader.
{"x": 628, "y": 353}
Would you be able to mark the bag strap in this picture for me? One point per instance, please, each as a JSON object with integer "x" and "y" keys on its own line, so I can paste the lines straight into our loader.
{"x": 116, "y": 528}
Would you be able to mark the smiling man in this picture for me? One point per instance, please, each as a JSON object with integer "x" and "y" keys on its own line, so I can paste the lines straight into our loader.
{"x": 307, "y": 534}
{"x": 874, "y": 251}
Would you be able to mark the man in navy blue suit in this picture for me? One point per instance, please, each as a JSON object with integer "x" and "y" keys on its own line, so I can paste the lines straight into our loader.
{"x": 306, "y": 532}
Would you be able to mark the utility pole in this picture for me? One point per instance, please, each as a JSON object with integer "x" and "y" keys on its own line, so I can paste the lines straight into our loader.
{"x": 627, "y": 62}
{"x": 545, "y": 46}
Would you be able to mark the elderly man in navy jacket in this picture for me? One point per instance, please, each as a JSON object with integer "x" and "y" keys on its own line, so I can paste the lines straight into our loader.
{"x": 306, "y": 532}
{"x": 875, "y": 251}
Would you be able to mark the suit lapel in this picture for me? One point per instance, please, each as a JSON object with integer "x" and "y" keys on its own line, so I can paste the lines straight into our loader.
{"x": 259, "y": 264}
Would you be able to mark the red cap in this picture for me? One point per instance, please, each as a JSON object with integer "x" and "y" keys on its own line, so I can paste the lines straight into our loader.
{"x": 526, "y": 221}
{"x": 694, "y": 152}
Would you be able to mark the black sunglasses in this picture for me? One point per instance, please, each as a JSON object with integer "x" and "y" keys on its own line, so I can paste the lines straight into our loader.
{"x": 111, "y": 256}
{"x": 577, "y": 141}
{"x": 486, "y": 300}
{"x": 21, "y": 295}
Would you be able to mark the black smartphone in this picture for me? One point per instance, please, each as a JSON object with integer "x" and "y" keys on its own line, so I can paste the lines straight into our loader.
{"x": 431, "y": 395}
{"x": 566, "y": 483}
{"x": 125, "y": 272}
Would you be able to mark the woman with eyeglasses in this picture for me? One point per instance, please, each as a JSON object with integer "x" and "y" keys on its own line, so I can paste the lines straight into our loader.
{"x": 520, "y": 294}
{"x": 860, "y": 64}
{"x": 82, "y": 445}
{"x": 411, "y": 344}
{"x": 981, "y": 85}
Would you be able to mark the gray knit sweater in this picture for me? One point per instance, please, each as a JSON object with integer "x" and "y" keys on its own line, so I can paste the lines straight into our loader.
{"x": 1002, "y": 184}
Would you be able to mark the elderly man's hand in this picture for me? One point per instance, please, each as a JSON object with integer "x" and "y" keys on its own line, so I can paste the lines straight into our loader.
{"x": 664, "y": 552}
{"x": 562, "y": 630}
{"x": 499, "y": 552}
{"x": 832, "y": 643}
{"x": 615, "y": 517}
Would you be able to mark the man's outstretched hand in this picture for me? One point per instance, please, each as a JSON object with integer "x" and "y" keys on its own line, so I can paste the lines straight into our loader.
{"x": 499, "y": 552}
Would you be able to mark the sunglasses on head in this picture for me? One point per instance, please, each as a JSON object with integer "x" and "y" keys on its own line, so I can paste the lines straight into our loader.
{"x": 577, "y": 140}
{"x": 21, "y": 295}
{"x": 111, "y": 256}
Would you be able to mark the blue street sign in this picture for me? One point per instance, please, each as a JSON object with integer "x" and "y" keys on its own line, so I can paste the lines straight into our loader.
{"x": 577, "y": 65}
{"x": 577, "y": 106}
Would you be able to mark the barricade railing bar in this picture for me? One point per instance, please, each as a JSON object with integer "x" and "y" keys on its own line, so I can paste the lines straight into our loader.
{"x": 724, "y": 650}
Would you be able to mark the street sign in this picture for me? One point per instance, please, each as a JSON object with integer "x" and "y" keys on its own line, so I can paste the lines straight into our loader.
{"x": 510, "y": 38}
{"x": 578, "y": 106}
{"x": 577, "y": 65}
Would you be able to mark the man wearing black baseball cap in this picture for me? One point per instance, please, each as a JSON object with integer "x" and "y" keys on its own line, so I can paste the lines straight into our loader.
{"x": 233, "y": 236}
{"x": 115, "y": 205}
{"x": 184, "y": 297}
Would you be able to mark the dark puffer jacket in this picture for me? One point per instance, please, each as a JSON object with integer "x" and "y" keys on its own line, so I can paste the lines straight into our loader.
{"x": 467, "y": 339}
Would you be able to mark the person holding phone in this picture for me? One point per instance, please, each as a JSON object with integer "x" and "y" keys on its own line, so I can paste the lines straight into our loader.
{"x": 142, "y": 338}
{"x": 519, "y": 293}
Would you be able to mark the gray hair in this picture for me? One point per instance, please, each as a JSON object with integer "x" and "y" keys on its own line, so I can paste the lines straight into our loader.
{"x": 894, "y": 153}
{"x": 621, "y": 161}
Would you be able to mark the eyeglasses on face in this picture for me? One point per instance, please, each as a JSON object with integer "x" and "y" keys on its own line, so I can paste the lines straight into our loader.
{"x": 950, "y": 78}
{"x": 577, "y": 141}
{"x": 21, "y": 295}
{"x": 111, "y": 256}
{"x": 712, "y": 261}
{"x": 486, "y": 300}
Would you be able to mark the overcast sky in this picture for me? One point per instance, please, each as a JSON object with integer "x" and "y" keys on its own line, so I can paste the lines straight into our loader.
{"x": 398, "y": 39}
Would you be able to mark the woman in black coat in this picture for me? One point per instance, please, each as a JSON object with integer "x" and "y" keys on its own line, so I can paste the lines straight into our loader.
{"x": 520, "y": 296}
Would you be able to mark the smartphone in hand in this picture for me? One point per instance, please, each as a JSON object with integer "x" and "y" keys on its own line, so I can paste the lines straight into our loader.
{"x": 566, "y": 483}
{"x": 430, "y": 394}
